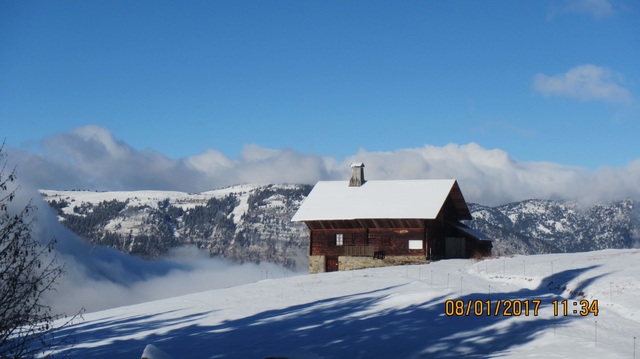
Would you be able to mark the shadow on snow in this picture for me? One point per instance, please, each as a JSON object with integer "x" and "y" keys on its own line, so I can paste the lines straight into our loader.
{"x": 345, "y": 326}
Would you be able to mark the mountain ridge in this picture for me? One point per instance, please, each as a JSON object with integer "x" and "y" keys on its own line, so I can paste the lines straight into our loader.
{"x": 252, "y": 223}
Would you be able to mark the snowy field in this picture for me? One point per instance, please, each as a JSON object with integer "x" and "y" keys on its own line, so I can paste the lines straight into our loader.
{"x": 394, "y": 312}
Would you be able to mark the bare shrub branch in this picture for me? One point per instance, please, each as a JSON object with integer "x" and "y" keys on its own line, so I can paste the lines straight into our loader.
{"x": 27, "y": 271}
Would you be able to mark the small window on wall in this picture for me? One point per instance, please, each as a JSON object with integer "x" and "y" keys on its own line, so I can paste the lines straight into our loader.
{"x": 415, "y": 244}
{"x": 339, "y": 239}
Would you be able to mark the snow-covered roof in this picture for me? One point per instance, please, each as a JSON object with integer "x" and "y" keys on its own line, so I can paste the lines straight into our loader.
{"x": 408, "y": 199}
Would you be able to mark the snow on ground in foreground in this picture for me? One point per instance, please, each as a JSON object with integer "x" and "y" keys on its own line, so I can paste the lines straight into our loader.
{"x": 393, "y": 312}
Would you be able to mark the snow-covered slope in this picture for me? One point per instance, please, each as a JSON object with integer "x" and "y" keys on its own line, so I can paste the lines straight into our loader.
{"x": 394, "y": 312}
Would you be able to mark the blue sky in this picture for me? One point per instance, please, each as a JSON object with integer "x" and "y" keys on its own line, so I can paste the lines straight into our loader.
{"x": 554, "y": 81}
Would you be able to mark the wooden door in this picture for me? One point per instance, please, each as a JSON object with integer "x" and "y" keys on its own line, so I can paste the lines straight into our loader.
{"x": 454, "y": 247}
{"x": 331, "y": 264}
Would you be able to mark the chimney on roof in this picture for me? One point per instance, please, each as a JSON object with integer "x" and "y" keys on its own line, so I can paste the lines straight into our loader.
{"x": 357, "y": 175}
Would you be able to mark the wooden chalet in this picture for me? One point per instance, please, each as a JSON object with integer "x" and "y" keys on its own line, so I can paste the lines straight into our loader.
{"x": 360, "y": 224}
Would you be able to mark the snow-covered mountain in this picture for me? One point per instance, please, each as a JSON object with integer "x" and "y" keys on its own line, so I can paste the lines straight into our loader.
{"x": 252, "y": 223}
{"x": 249, "y": 223}
{"x": 577, "y": 305}
{"x": 543, "y": 226}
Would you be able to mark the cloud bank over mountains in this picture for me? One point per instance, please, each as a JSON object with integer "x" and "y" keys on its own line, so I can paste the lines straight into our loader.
{"x": 91, "y": 158}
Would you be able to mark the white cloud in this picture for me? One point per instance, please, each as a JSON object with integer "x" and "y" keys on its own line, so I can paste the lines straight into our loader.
{"x": 597, "y": 8}
{"x": 487, "y": 176}
{"x": 211, "y": 161}
{"x": 584, "y": 82}
{"x": 91, "y": 158}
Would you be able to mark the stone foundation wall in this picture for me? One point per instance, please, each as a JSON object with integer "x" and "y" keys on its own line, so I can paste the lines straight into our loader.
{"x": 402, "y": 260}
{"x": 352, "y": 263}
{"x": 316, "y": 264}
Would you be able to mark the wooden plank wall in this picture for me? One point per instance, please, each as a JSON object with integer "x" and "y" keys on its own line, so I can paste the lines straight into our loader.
{"x": 391, "y": 241}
